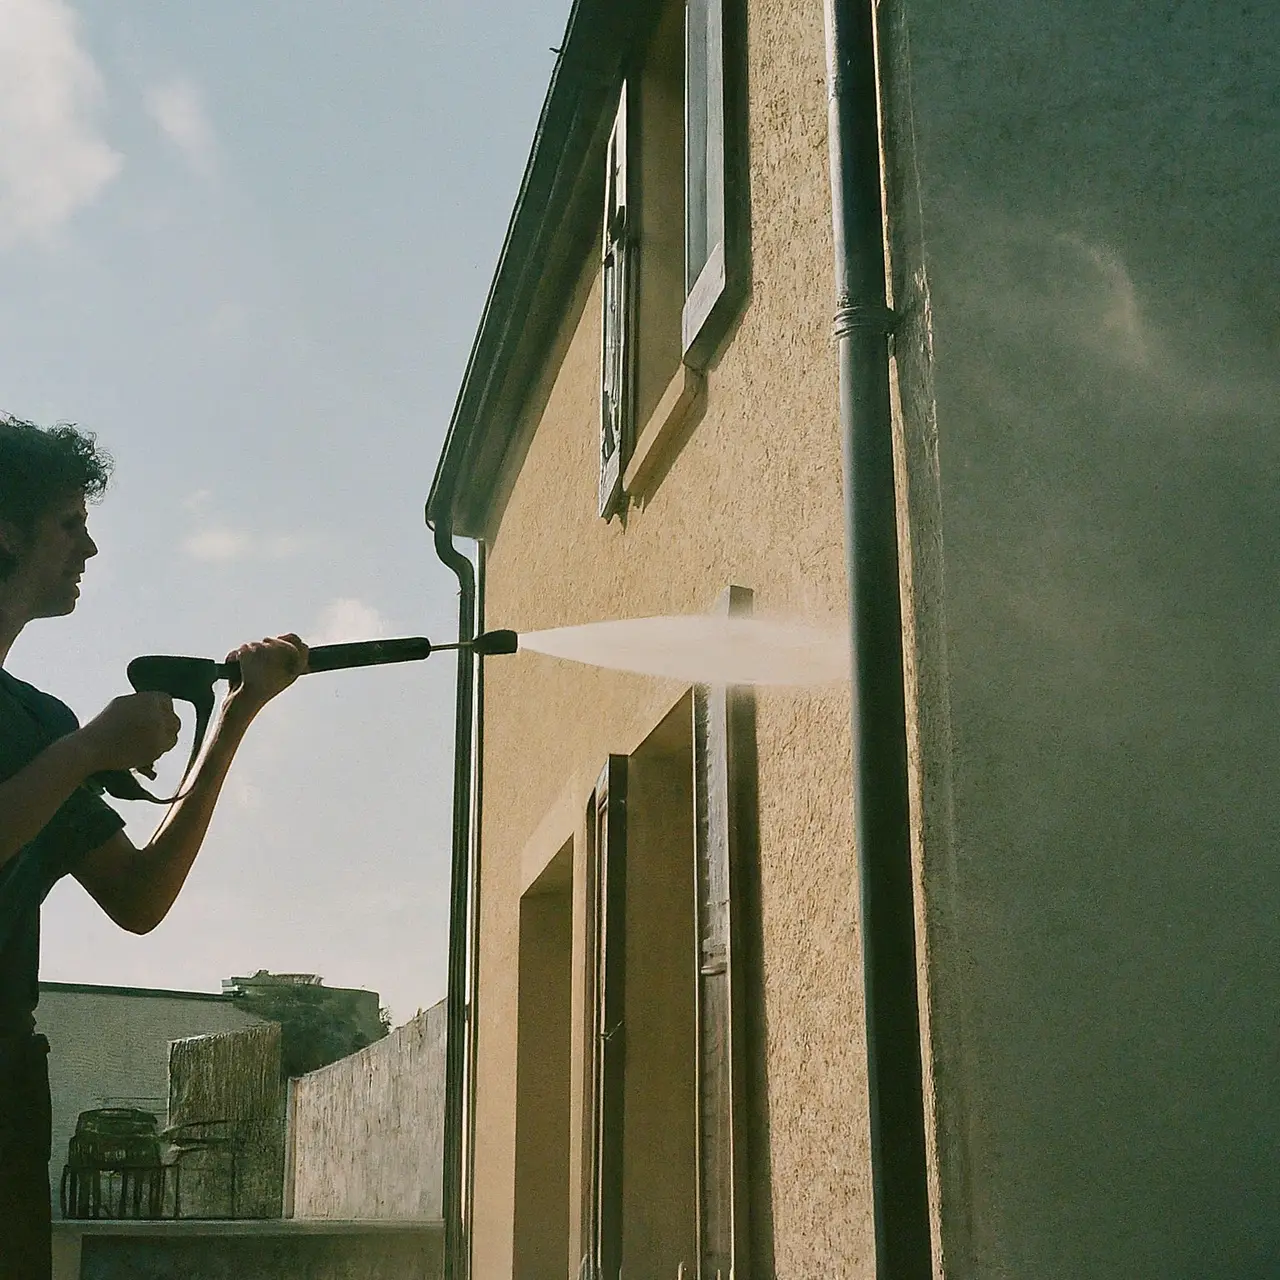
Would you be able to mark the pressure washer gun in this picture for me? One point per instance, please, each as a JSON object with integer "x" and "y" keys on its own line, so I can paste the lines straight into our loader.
{"x": 192, "y": 680}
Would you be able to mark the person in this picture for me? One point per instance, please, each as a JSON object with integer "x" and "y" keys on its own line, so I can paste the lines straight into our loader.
{"x": 53, "y": 821}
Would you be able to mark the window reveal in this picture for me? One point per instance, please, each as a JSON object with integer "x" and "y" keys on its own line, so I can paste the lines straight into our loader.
{"x": 716, "y": 215}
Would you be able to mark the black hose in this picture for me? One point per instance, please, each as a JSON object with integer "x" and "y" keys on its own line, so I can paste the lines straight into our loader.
{"x": 899, "y": 1171}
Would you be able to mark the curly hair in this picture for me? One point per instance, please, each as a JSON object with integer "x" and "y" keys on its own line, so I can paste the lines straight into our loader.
{"x": 39, "y": 466}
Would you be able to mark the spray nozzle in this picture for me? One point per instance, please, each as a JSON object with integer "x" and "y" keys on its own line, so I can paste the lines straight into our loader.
{"x": 493, "y": 643}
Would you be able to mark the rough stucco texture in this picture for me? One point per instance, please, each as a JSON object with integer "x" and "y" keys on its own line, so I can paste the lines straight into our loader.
{"x": 367, "y": 1132}
{"x": 110, "y": 1048}
{"x": 751, "y": 496}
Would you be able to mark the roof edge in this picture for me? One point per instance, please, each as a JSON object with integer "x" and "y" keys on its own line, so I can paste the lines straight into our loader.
{"x": 157, "y": 993}
{"x": 534, "y": 273}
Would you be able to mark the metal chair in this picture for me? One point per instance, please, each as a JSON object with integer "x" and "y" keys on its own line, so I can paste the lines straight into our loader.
{"x": 113, "y": 1167}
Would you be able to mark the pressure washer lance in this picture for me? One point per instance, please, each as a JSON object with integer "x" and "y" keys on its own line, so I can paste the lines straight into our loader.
{"x": 192, "y": 680}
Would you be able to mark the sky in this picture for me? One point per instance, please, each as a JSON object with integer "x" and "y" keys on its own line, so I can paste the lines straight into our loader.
{"x": 248, "y": 246}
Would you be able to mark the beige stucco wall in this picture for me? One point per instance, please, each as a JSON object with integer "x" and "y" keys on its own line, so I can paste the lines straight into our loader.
{"x": 751, "y": 496}
{"x": 110, "y": 1047}
{"x": 365, "y": 1133}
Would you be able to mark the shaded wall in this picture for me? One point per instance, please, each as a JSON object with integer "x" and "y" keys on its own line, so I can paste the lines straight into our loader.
{"x": 247, "y": 1251}
{"x": 366, "y": 1133}
{"x": 1084, "y": 243}
{"x": 659, "y": 1150}
{"x": 109, "y": 1046}
{"x": 544, "y": 1055}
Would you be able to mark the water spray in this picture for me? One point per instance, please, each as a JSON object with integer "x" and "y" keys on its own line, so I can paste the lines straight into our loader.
{"x": 191, "y": 680}
{"x": 694, "y": 649}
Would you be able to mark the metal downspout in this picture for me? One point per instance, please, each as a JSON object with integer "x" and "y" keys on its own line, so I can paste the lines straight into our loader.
{"x": 455, "y": 1234}
{"x": 899, "y": 1173}
{"x": 473, "y": 919}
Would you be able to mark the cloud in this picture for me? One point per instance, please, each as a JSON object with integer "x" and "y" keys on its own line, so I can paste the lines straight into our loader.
{"x": 284, "y": 546}
{"x": 178, "y": 110}
{"x": 221, "y": 545}
{"x": 218, "y": 546}
{"x": 345, "y": 619}
{"x": 227, "y": 321}
{"x": 53, "y": 159}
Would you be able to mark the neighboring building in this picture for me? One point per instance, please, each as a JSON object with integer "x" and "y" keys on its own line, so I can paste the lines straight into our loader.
{"x": 355, "y": 1006}
{"x": 671, "y": 1055}
{"x": 109, "y": 1047}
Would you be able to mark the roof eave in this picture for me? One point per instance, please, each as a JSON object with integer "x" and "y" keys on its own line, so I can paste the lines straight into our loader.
{"x": 540, "y": 262}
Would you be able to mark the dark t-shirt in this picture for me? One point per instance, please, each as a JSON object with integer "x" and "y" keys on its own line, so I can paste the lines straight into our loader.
{"x": 29, "y": 721}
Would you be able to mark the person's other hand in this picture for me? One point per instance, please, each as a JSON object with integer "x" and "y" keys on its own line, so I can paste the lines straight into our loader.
{"x": 266, "y": 669}
{"x": 132, "y": 732}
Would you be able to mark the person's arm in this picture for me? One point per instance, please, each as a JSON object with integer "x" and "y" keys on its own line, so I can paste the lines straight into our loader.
{"x": 136, "y": 887}
{"x": 131, "y": 732}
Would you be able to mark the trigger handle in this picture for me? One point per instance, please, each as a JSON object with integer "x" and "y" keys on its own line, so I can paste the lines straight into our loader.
{"x": 185, "y": 680}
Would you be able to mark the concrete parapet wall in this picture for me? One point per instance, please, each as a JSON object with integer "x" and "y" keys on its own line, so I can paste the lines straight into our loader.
{"x": 229, "y": 1087}
{"x": 367, "y": 1133}
{"x": 247, "y": 1250}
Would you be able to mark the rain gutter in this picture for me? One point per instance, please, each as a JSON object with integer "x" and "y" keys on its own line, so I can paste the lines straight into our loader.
{"x": 899, "y": 1170}
{"x": 553, "y": 228}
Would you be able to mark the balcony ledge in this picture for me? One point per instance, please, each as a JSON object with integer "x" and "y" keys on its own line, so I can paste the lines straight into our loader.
{"x": 170, "y": 1228}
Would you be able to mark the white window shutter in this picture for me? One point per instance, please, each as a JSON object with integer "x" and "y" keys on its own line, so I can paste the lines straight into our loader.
{"x": 616, "y": 290}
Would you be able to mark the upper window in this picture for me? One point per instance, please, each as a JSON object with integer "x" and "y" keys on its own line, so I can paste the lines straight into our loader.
{"x": 676, "y": 224}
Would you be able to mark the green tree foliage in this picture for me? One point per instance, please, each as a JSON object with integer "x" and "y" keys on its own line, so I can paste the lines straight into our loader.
{"x": 318, "y": 1025}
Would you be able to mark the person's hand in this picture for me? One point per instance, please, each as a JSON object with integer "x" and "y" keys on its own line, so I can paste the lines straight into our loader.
{"x": 132, "y": 732}
{"x": 266, "y": 669}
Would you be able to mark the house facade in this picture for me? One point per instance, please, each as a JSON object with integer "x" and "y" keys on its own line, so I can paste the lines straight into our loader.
{"x": 667, "y": 1050}
{"x": 694, "y": 404}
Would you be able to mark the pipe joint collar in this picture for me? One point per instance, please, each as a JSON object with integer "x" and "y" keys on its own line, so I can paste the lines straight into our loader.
{"x": 873, "y": 317}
